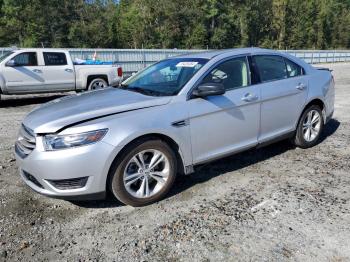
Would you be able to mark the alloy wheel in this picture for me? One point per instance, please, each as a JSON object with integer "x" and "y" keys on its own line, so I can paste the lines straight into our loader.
{"x": 311, "y": 125}
{"x": 146, "y": 173}
{"x": 98, "y": 85}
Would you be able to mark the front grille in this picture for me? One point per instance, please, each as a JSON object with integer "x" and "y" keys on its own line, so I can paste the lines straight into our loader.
{"x": 73, "y": 183}
{"x": 25, "y": 143}
{"x": 32, "y": 179}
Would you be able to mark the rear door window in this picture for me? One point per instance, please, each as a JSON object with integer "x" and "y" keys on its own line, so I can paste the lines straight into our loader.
{"x": 26, "y": 59}
{"x": 293, "y": 69}
{"x": 55, "y": 59}
{"x": 270, "y": 67}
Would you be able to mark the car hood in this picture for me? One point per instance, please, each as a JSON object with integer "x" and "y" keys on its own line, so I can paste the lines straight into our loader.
{"x": 62, "y": 112}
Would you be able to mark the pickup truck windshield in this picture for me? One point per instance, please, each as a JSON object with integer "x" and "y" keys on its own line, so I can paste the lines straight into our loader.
{"x": 2, "y": 58}
{"x": 165, "y": 78}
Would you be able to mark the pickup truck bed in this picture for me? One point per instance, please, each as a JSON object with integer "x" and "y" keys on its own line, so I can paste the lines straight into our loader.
{"x": 29, "y": 71}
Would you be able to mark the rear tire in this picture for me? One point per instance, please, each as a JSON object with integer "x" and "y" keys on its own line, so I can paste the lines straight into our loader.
{"x": 97, "y": 83}
{"x": 309, "y": 128}
{"x": 144, "y": 174}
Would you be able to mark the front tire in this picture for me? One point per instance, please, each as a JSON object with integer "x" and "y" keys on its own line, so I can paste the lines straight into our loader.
{"x": 144, "y": 174}
{"x": 309, "y": 128}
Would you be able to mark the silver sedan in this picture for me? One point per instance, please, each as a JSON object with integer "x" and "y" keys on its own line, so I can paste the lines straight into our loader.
{"x": 167, "y": 119}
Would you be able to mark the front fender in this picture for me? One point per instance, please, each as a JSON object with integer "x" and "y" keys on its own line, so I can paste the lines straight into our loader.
{"x": 180, "y": 137}
{"x": 178, "y": 140}
{"x": 126, "y": 127}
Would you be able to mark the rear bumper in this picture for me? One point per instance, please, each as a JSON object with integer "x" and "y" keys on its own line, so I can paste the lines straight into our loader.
{"x": 115, "y": 82}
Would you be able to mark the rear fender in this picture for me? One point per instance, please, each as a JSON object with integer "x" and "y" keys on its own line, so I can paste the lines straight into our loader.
{"x": 83, "y": 75}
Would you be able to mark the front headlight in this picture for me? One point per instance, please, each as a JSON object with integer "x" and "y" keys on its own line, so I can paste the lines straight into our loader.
{"x": 57, "y": 142}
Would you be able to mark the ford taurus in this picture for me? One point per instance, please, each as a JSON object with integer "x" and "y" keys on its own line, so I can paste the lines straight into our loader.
{"x": 169, "y": 118}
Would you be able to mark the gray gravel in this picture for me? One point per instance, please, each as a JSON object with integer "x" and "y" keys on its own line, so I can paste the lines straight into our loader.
{"x": 275, "y": 203}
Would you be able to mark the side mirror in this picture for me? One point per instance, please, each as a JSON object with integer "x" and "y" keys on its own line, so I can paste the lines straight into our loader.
{"x": 11, "y": 63}
{"x": 209, "y": 89}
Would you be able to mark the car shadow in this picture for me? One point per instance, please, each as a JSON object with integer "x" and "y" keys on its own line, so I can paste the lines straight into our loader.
{"x": 26, "y": 101}
{"x": 206, "y": 172}
{"x": 329, "y": 129}
{"x": 241, "y": 160}
{"x": 109, "y": 202}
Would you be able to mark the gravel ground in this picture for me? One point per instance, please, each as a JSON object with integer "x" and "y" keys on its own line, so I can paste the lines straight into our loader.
{"x": 274, "y": 203}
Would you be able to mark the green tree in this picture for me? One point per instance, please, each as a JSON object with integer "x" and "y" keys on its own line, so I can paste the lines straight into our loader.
{"x": 282, "y": 24}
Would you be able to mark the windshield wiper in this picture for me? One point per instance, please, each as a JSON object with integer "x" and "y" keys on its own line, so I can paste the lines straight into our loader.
{"x": 143, "y": 91}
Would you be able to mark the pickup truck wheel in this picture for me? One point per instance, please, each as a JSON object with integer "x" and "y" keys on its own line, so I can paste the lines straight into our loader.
{"x": 144, "y": 174}
{"x": 97, "y": 83}
{"x": 309, "y": 128}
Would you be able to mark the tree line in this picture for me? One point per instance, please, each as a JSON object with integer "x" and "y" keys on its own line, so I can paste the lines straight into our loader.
{"x": 279, "y": 24}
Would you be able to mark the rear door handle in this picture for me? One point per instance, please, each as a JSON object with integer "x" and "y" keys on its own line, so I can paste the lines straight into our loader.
{"x": 68, "y": 70}
{"x": 300, "y": 86}
{"x": 249, "y": 97}
{"x": 37, "y": 71}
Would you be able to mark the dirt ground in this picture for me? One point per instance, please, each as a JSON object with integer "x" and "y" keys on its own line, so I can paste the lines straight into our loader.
{"x": 271, "y": 204}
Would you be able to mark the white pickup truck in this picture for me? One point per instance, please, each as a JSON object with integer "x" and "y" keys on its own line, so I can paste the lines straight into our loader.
{"x": 30, "y": 71}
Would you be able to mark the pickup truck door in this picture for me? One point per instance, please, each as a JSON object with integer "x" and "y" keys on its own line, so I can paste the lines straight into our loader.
{"x": 226, "y": 123}
{"x": 58, "y": 71}
{"x": 24, "y": 75}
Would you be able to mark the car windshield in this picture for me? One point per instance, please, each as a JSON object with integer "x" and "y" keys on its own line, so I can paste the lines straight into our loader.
{"x": 5, "y": 55}
{"x": 165, "y": 78}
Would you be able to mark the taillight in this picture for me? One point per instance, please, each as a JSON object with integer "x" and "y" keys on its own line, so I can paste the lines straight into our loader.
{"x": 120, "y": 72}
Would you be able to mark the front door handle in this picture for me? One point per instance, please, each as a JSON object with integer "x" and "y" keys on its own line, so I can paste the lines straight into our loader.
{"x": 300, "y": 86}
{"x": 68, "y": 70}
{"x": 249, "y": 97}
{"x": 37, "y": 71}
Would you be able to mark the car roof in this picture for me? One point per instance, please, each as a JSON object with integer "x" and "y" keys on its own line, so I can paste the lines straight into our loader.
{"x": 244, "y": 51}
{"x": 234, "y": 51}
{"x": 39, "y": 49}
